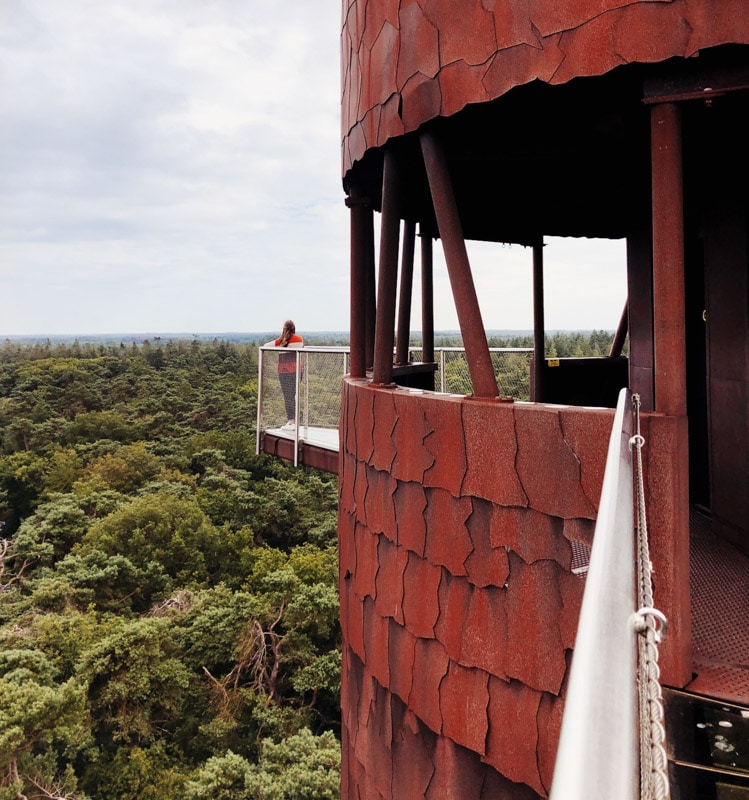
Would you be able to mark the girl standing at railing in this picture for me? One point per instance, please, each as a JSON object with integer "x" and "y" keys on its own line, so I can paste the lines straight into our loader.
{"x": 287, "y": 369}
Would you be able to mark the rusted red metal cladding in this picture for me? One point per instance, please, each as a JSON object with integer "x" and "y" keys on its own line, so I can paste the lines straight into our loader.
{"x": 458, "y": 601}
{"x": 456, "y": 517}
{"x": 405, "y": 63}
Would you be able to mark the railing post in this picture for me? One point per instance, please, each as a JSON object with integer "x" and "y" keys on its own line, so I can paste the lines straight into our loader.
{"x": 297, "y": 366}
{"x": 260, "y": 399}
{"x": 305, "y": 378}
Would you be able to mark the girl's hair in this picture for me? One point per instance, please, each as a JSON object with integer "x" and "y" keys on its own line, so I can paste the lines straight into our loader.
{"x": 289, "y": 329}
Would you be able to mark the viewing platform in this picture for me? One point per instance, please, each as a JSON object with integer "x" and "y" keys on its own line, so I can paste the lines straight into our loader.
{"x": 385, "y": 488}
{"x": 313, "y": 440}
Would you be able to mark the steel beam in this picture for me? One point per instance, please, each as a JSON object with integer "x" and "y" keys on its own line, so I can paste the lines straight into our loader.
{"x": 670, "y": 540}
{"x": 387, "y": 279}
{"x": 406, "y": 290}
{"x": 621, "y": 333}
{"x": 669, "y": 326}
{"x": 539, "y": 325}
{"x": 427, "y": 297}
{"x": 370, "y": 292}
{"x": 360, "y": 209}
{"x": 459, "y": 268}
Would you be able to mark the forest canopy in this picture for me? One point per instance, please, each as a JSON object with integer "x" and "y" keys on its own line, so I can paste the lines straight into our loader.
{"x": 168, "y": 598}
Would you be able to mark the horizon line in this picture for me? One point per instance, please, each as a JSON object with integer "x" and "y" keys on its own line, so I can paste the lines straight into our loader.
{"x": 216, "y": 334}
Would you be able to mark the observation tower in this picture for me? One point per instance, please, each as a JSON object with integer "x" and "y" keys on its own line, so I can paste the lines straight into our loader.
{"x": 461, "y": 517}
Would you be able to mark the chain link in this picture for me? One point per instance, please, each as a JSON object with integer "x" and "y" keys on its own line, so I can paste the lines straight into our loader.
{"x": 653, "y": 760}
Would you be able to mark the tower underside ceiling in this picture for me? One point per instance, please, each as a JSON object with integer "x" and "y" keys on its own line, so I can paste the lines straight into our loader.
{"x": 570, "y": 160}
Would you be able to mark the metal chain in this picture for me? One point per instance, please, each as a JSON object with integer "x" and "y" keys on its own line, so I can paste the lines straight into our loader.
{"x": 653, "y": 761}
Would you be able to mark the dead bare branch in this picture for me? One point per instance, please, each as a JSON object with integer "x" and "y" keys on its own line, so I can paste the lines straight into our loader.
{"x": 5, "y": 555}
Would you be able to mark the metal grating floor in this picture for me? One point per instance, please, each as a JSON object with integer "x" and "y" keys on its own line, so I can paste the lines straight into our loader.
{"x": 720, "y": 614}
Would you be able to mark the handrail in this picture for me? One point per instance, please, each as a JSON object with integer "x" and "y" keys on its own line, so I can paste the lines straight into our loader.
{"x": 491, "y": 349}
{"x": 308, "y": 348}
{"x": 599, "y": 741}
{"x": 320, "y": 369}
{"x": 441, "y": 352}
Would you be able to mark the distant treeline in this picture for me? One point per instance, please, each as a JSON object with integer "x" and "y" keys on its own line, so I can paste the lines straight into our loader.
{"x": 558, "y": 344}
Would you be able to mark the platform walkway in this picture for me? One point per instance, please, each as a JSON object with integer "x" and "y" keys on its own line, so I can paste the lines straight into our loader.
{"x": 315, "y": 437}
{"x": 317, "y": 398}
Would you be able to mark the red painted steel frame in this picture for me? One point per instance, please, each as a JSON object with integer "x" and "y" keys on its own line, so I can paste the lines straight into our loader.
{"x": 360, "y": 214}
{"x": 427, "y": 299}
{"x": 387, "y": 283}
{"x": 404, "y": 298}
{"x": 459, "y": 270}
{"x": 668, "y": 261}
{"x": 539, "y": 329}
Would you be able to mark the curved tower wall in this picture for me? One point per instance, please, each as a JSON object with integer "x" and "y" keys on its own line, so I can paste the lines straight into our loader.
{"x": 457, "y": 516}
{"x": 405, "y": 62}
{"x": 458, "y": 600}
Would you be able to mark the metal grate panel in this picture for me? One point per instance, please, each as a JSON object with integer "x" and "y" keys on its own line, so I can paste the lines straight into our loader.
{"x": 580, "y": 558}
{"x": 722, "y": 681}
{"x": 720, "y": 614}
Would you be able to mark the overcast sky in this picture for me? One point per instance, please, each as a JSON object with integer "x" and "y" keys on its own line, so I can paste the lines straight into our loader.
{"x": 174, "y": 166}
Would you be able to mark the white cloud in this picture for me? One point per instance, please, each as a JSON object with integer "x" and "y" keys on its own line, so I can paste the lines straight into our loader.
{"x": 169, "y": 165}
{"x": 174, "y": 165}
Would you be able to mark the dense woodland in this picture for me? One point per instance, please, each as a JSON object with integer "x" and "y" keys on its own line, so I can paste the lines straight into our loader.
{"x": 558, "y": 344}
{"x": 168, "y": 602}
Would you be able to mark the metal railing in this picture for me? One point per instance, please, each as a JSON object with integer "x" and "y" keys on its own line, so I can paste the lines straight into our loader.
{"x": 598, "y": 752}
{"x": 317, "y": 394}
{"x": 600, "y": 743}
{"x": 319, "y": 371}
{"x": 511, "y": 368}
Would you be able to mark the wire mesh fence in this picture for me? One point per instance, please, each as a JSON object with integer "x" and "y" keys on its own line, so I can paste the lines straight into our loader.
{"x": 321, "y": 386}
{"x": 317, "y": 404}
{"x": 511, "y": 368}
